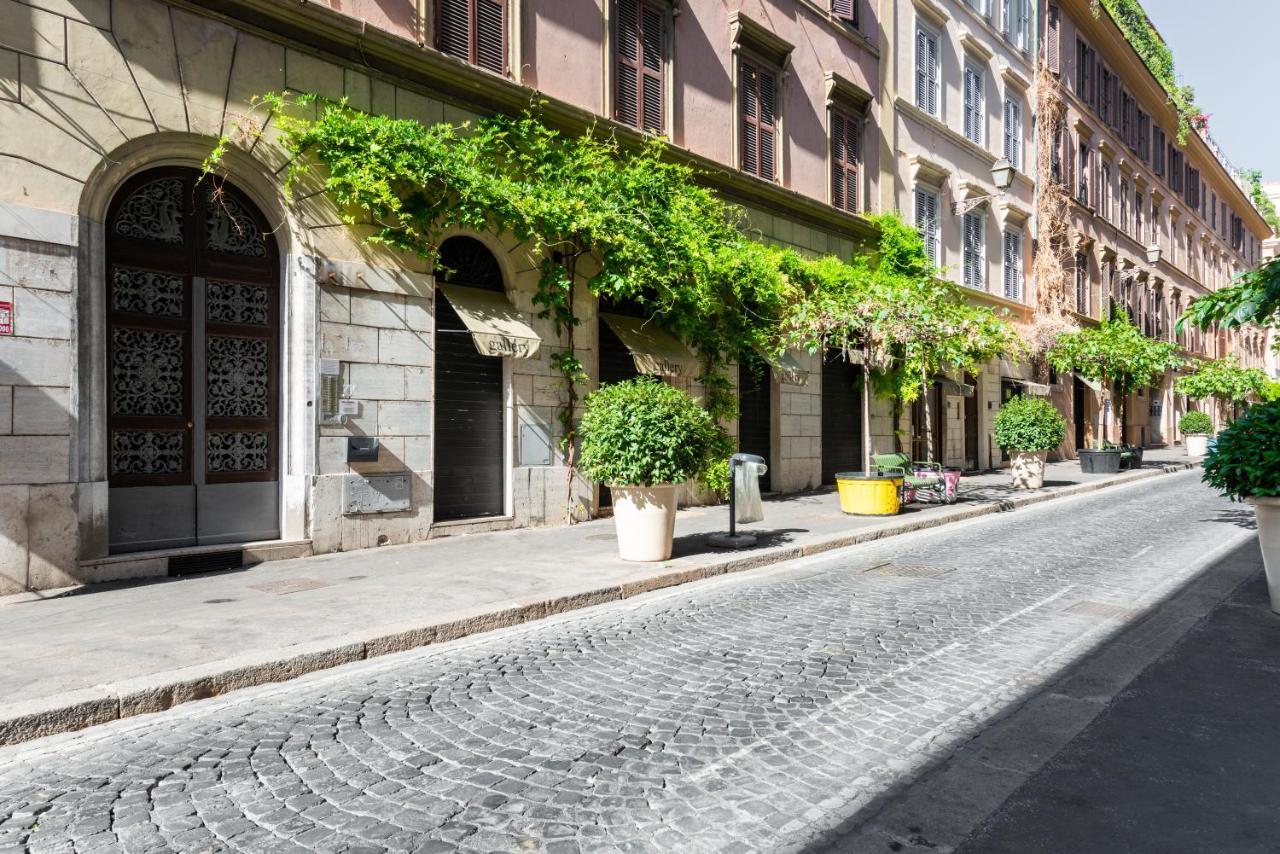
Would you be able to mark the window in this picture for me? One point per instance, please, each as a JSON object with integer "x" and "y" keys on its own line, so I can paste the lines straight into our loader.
{"x": 1144, "y": 136}
{"x": 640, "y": 44}
{"x": 1082, "y": 283}
{"x": 846, "y": 10}
{"x": 1015, "y": 19}
{"x": 1085, "y": 71}
{"x": 1055, "y": 156}
{"x": 974, "y": 242}
{"x": 846, "y": 157}
{"x": 1104, "y": 190}
{"x": 927, "y": 222}
{"x": 1213, "y": 211}
{"x": 927, "y": 72}
{"x": 1053, "y": 39}
{"x": 1013, "y": 132}
{"x": 757, "y": 86}
{"x": 1104, "y": 99}
{"x": 474, "y": 30}
{"x": 1157, "y": 151}
{"x": 1082, "y": 180}
{"x": 1154, "y": 222}
{"x": 1013, "y": 265}
{"x": 1124, "y": 206}
{"x": 1137, "y": 213}
{"x": 974, "y": 118}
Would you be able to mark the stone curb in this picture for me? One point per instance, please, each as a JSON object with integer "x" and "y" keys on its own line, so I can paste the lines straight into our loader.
{"x": 156, "y": 692}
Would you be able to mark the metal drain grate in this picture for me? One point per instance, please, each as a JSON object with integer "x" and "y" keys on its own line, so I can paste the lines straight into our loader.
{"x": 1096, "y": 609}
{"x": 908, "y": 570}
{"x": 290, "y": 585}
{"x": 207, "y": 562}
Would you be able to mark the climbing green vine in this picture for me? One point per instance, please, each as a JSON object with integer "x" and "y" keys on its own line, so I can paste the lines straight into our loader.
{"x": 1261, "y": 201}
{"x": 1133, "y": 22}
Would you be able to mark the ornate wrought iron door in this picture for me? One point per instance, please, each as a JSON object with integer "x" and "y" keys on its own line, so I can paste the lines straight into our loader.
{"x": 192, "y": 355}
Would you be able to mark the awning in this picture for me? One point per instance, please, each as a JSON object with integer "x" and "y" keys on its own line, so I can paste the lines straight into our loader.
{"x": 654, "y": 351}
{"x": 789, "y": 369}
{"x": 497, "y": 328}
{"x": 1036, "y": 389}
{"x": 1094, "y": 385}
{"x": 955, "y": 388}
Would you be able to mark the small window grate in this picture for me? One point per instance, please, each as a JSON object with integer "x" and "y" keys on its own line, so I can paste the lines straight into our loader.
{"x": 207, "y": 562}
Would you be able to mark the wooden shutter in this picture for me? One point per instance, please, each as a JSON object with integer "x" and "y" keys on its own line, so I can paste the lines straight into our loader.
{"x": 641, "y": 60}
{"x": 926, "y": 73}
{"x": 970, "y": 99}
{"x": 845, "y": 10}
{"x": 1053, "y": 40}
{"x": 1012, "y": 132}
{"x": 846, "y": 144}
{"x": 1012, "y": 271}
{"x": 474, "y": 30}
{"x": 973, "y": 249}
{"x": 758, "y": 119}
{"x": 927, "y": 222}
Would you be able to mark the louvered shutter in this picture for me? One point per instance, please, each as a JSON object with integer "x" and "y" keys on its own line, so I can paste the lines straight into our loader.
{"x": 749, "y": 84}
{"x": 853, "y": 163}
{"x": 970, "y": 94}
{"x": 627, "y": 86}
{"x": 1012, "y": 266}
{"x": 925, "y": 61}
{"x": 973, "y": 249}
{"x": 768, "y": 118}
{"x": 927, "y": 222}
{"x": 653, "y": 47}
{"x": 1053, "y": 39}
{"x": 491, "y": 35}
{"x": 1013, "y": 133}
{"x": 846, "y": 10}
{"x": 932, "y": 69}
{"x": 837, "y": 159}
{"x": 453, "y": 28}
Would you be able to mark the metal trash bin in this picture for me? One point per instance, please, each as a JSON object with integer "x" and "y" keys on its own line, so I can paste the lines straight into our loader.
{"x": 745, "y": 471}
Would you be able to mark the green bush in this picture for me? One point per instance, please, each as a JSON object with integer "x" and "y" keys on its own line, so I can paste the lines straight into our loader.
{"x": 1245, "y": 461}
{"x": 1029, "y": 424}
{"x": 643, "y": 432}
{"x": 1195, "y": 424}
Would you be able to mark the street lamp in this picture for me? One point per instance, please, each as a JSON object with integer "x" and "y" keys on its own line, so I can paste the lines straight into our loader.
{"x": 1002, "y": 173}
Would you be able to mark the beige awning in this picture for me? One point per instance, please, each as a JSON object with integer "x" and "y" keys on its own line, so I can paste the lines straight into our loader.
{"x": 654, "y": 351}
{"x": 1012, "y": 373}
{"x": 1094, "y": 385}
{"x": 497, "y": 327}
{"x": 950, "y": 386}
{"x": 789, "y": 369}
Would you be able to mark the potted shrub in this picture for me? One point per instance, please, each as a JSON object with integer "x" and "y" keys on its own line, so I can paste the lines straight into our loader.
{"x": 642, "y": 438}
{"x": 1028, "y": 428}
{"x": 1196, "y": 426}
{"x": 1244, "y": 465}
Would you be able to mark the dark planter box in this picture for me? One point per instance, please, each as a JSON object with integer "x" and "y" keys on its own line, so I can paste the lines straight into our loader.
{"x": 1135, "y": 461}
{"x": 1099, "y": 462}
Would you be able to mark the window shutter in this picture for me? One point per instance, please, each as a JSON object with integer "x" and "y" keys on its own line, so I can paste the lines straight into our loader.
{"x": 846, "y": 10}
{"x": 768, "y": 94}
{"x": 453, "y": 28}
{"x": 653, "y": 47}
{"x": 627, "y": 86}
{"x": 1053, "y": 39}
{"x": 970, "y": 95}
{"x": 973, "y": 249}
{"x": 491, "y": 35}
{"x": 749, "y": 85}
{"x": 837, "y": 159}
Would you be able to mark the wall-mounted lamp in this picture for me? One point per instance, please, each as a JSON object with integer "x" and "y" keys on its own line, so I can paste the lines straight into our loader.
{"x": 1002, "y": 173}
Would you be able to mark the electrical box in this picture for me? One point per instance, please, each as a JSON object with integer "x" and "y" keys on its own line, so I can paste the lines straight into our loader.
{"x": 535, "y": 445}
{"x": 362, "y": 449}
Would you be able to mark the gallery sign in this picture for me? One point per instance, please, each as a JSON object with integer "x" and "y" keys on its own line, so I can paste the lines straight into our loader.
{"x": 6, "y": 318}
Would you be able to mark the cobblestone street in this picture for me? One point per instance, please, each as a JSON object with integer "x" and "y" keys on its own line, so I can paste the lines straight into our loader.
{"x": 757, "y": 712}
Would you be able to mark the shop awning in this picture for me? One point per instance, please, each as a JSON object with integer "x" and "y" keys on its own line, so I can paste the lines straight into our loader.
{"x": 654, "y": 351}
{"x": 789, "y": 368}
{"x": 1094, "y": 385}
{"x": 955, "y": 388}
{"x": 1010, "y": 372}
{"x": 497, "y": 327}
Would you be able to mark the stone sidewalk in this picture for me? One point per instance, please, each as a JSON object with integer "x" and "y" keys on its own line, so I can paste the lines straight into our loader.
{"x": 111, "y": 651}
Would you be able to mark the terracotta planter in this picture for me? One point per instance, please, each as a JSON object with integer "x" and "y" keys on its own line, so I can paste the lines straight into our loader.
{"x": 1197, "y": 444}
{"x": 645, "y": 520}
{"x": 1028, "y": 469}
{"x": 1268, "y": 510}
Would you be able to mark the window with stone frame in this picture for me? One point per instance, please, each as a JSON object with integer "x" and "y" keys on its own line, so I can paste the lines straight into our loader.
{"x": 473, "y": 30}
{"x": 975, "y": 239}
{"x": 640, "y": 54}
{"x": 1013, "y": 265}
{"x": 846, "y": 160}
{"x": 1013, "y": 131}
{"x": 757, "y": 118}
{"x": 926, "y": 205}
{"x": 975, "y": 117}
{"x": 1082, "y": 284}
{"x": 928, "y": 96}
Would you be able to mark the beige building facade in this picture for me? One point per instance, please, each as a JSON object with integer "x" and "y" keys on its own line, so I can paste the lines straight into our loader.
{"x": 205, "y": 373}
{"x": 1159, "y": 221}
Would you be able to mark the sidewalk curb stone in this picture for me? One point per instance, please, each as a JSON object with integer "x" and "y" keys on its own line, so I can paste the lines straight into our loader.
{"x": 157, "y": 692}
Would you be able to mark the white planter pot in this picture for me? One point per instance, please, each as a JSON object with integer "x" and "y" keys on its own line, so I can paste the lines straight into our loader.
{"x": 1028, "y": 469}
{"x": 1268, "y": 510}
{"x": 1197, "y": 445}
{"x": 645, "y": 519}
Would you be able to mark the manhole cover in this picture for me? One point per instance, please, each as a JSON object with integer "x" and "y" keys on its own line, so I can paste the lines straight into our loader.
{"x": 1096, "y": 609}
{"x": 290, "y": 585}
{"x": 908, "y": 570}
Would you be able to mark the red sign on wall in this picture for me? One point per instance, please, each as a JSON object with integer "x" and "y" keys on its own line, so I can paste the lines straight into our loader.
{"x": 6, "y": 318}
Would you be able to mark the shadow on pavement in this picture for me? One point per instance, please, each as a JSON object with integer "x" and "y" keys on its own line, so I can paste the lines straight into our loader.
{"x": 1180, "y": 757}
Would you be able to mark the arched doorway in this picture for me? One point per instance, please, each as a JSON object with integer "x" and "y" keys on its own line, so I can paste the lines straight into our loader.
{"x": 469, "y": 459}
{"x": 193, "y": 311}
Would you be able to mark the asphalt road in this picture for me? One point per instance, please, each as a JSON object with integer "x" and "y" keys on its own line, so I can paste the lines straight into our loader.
{"x": 765, "y": 711}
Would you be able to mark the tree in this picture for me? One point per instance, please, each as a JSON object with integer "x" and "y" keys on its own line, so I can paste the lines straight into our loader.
{"x": 1115, "y": 351}
{"x": 1253, "y": 298}
{"x": 906, "y": 324}
{"x": 1224, "y": 380}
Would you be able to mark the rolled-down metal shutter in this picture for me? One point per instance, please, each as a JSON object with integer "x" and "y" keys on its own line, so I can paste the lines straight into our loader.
{"x": 755, "y": 399}
{"x": 841, "y": 416}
